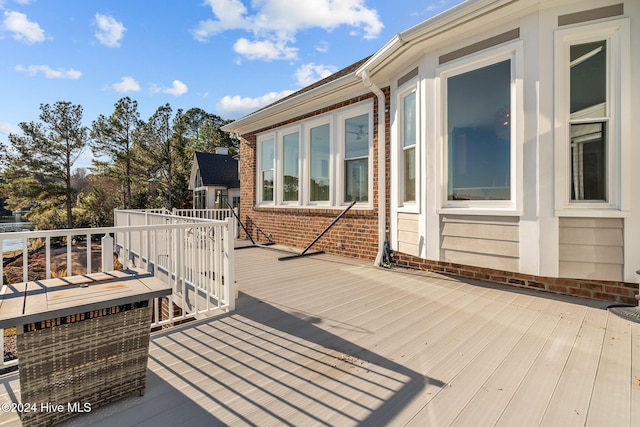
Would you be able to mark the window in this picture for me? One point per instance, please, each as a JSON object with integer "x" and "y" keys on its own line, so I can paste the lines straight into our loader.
{"x": 356, "y": 163}
{"x": 409, "y": 139}
{"x": 319, "y": 156}
{"x": 479, "y": 133}
{"x": 222, "y": 198}
{"x": 592, "y": 136}
{"x": 321, "y": 162}
{"x": 290, "y": 167}
{"x": 267, "y": 169}
{"x": 199, "y": 199}
{"x": 587, "y": 120}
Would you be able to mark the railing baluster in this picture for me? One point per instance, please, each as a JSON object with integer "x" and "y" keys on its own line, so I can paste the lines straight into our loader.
{"x": 25, "y": 259}
{"x": 69, "y": 255}
{"x": 88, "y": 240}
{"x": 47, "y": 256}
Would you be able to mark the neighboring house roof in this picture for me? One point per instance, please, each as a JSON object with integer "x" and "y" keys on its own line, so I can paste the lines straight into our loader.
{"x": 218, "y": 170}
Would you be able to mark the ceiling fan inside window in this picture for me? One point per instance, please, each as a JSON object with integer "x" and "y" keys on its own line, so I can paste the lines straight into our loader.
{"x": 360, "y": 132}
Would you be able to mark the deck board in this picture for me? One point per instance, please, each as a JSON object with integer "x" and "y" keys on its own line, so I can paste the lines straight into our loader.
{"x": 570, "y": 401}
{"x": 613, "y": 372}
{"x": 330, "y": 341}
{"x": 528, "y": 405}
{"x": 494, "y": 395}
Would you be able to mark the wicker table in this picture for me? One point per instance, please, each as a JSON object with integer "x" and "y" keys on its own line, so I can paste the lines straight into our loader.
{"x": 83, "y": 341}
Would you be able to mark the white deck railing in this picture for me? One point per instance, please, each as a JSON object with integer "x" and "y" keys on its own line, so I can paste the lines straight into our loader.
{"x": 217, "y": 214}
{"x": 194, "y": 256}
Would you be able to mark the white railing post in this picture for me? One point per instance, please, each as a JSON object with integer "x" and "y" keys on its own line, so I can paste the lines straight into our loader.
{"x": 107, "y": 252}
{"x": 229, "y": 266}
{"x": 236, "y": 224}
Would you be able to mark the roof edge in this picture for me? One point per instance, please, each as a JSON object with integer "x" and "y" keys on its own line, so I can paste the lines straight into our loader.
{"x": 468, "y": 9}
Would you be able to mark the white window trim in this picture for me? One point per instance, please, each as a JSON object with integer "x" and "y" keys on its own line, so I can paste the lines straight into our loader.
{"x": 341, "y": 150}
{"x": 280, "y": 165}
{"x": 618, "y": 169}
{"x": 412, "y": 85}
{"x": 513, "y": 207}
{"x": 259, "y": 141}
{"x": 335, "y": 119}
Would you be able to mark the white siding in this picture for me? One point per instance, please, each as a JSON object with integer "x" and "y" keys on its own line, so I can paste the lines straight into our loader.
{"x": 591, "y": 248}
{"x": 490, "y": 242}
{"x": 408, "y": 233}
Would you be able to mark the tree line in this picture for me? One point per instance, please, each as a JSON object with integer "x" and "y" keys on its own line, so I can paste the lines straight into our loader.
{"x": 137, "y": 163}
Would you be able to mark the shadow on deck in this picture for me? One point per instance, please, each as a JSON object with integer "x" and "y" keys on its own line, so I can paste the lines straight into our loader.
{"x": 330, "y": 341}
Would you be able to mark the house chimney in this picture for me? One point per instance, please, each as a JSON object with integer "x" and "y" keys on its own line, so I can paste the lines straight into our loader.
{"x": 222, "y": 150}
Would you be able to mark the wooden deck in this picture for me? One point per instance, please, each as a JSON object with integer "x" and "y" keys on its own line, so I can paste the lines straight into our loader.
{"x": 324, "y": 340}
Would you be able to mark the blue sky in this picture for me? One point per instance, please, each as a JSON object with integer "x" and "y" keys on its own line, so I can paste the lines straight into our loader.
{"x": 228, "y": 57}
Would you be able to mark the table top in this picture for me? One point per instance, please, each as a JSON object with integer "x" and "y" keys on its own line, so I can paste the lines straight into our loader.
{"x": 30, "y": 302}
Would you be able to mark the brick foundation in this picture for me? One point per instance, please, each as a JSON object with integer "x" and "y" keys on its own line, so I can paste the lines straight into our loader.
{"x": 618, "y": 292}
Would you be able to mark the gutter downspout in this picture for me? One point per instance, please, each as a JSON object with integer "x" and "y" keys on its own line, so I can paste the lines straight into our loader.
{"x": 382, "y": 189}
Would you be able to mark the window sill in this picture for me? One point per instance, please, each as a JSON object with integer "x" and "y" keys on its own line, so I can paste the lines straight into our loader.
{"x": 479, "y": 211}
{"x": 591, "y": 212}
{"x": 409, "y": 208}
{"x": 356, "y": 207}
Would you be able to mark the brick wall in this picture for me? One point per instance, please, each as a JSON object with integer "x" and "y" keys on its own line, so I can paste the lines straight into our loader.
{"x": 355, "y": 235}
{"x": 619, "y": 292}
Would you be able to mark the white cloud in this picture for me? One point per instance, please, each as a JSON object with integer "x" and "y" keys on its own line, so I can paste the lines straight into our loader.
{"x": 178, "y": 88}
{"x": 237, "y": 106}
{"x": 310, "y": 73}
{"x": 23, "y": 30}
{"x": 7, "y": 128}
{"x": 230, "y": 14}
{"x": 322, "y": 46}
{"x": 274, "y": 23}
{"x": 126, "y": 84}
{"x": 49, "y": 72}
{"x": 265, "y": 49}
{"x": 110, "y": 32}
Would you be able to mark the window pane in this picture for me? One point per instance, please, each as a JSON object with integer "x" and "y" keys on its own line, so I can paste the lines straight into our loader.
{"x": 410, "y": 174}
{"x": 268, "y": 154}
{"x": 409, "y": 120}
{"x": 356, "y": 137}
{"x": 356, "y": 187}
{"x": 267, "y": 186}
{"x": 320, "y": 150}
{"x": 409, "y": 142}
{"x": 268, "y": 159}
{"x": 588, "y": 80}
{"x": 479, "y": 134}
{"x": 291, "y": 155}
{"x": 588, "y": 159}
